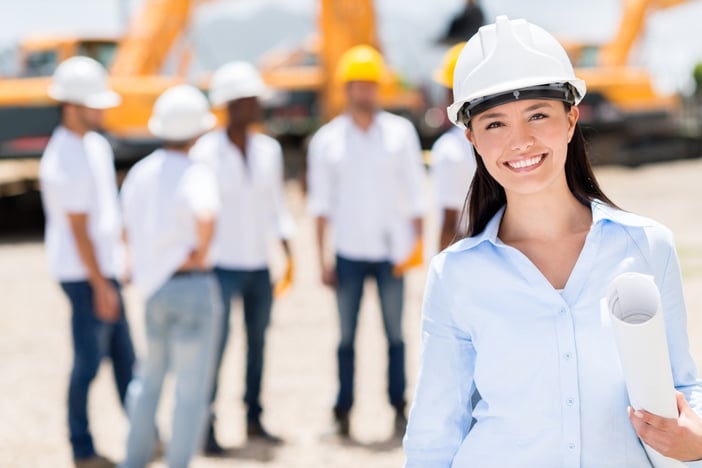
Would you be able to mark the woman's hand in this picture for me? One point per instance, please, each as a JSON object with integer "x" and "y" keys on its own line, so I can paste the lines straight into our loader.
{"x": 679, "y": 438}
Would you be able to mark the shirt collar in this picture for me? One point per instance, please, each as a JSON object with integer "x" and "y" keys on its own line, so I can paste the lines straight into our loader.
{"x": 601, "y": 212}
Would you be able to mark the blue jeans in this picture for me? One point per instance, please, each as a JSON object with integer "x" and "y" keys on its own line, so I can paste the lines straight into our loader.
{"x": 256, "y": 291}
{"x": 350, "y": 275}
{"x": 93, "y": 340}
{"x": 182, "y": 329}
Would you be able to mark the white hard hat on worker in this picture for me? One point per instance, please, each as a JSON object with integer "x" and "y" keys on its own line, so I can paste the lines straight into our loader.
{"x": 83, "y": 81}
{"x": 181, "y": 113}
{"x": 508, "y": 61}
{"x": 236, "y": 80}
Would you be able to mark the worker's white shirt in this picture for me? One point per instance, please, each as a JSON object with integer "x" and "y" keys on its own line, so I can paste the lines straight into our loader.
{"x": 453, "y": 167}
{"x": 77, "y": 176}
{"x": 161, "y": 197}
{"x": 368, "y": 184}
{"x": 252, "y": 198}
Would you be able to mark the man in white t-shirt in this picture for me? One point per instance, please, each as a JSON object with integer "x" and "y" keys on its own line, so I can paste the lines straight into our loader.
{"x": 83, "y": 239}
{"x": 249, "y": 166}
{"x": 453, "y": 160}
{"x": 365, "y": 182}
{"x": 170, "y": 203}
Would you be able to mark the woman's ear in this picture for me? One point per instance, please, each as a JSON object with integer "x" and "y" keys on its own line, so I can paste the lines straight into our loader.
{"x": 470, "y": 136}
{"x": 572, "y": 116}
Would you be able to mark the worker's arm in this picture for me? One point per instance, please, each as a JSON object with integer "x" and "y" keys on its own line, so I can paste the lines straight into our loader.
{"x": 417, "y": 225}
{"x": 105, "y": 297}
{"x": 448, "y": 228}
{"x": 328, "y": 273}
{"x": 197, "y": 260}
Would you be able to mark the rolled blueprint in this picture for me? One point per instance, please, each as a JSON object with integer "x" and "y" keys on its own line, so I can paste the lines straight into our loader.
{"x": 634, "y": 306}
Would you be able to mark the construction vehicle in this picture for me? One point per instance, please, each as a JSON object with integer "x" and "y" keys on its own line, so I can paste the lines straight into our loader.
{"x": 307, "y": 91}
{"x": 627, "y": 120}
{"x": 134, "y": 63}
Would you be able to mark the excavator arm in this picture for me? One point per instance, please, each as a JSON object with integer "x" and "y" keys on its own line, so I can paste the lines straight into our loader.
{"x": 150, "y": 37}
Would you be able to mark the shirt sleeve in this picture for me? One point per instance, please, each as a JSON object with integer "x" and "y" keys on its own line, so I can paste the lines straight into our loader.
{"x": 74, "y": 187}
{"x": 201, "y": 189}
{"x": 283, "y": 220}
{"x": 685, "y": 375}
{"x": 319, "y": 179}
{"x": 453, "y": 173}
{"x": 413, "y": 174}
{"x": 126, "y": 195}
{"x": 683, "y": 365}
{"x": 441, "y": 411}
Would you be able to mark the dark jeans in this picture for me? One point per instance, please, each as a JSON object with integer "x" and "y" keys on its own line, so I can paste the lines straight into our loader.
{"x": 351, "y": 275}
{"x": 93, "y": 340}
{"x": 256, "y": 291}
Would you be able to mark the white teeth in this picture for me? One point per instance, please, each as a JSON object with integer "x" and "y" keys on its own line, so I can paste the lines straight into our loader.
{"x": 524, "y": 163}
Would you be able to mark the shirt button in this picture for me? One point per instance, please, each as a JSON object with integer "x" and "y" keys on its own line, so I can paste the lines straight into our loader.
{"x": 563, "y": 311}
{"x": 567, "y": 356}
{"x": 571, "y": 446}
{"x": 570, "y": 401}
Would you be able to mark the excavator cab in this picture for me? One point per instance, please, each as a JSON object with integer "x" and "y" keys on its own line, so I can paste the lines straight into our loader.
{"x": 39, "y": 56}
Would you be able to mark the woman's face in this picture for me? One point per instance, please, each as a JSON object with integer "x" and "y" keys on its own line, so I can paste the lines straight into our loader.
{"x": 524, "y": 144}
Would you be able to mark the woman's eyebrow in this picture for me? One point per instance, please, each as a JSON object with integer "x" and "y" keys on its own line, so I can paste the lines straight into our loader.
{"x": 495, "y": 114}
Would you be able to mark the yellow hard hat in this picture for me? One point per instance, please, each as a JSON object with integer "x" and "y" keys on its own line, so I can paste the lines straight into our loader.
{"x": 360, "y": 63}
{"x": 444, "y": 74}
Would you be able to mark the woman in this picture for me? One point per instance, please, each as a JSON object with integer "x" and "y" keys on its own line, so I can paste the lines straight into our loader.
{"x": 513, "y": 309}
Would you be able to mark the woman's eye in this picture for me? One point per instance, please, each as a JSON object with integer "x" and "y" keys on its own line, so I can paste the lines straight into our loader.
{"x": 539, "y": 116}
{"x": 493, "y": 125}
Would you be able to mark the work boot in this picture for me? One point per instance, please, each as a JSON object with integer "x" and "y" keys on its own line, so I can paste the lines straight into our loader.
{"x": 256, "y": 431}
{"x": 400, "y": 421}
{"x": 342, "y": 423}
{"x": 96, "y": 461}
{"x": 212, "y": 447}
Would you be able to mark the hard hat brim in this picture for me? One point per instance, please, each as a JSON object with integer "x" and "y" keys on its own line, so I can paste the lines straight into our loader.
{"x": 454, "y": 109}
{"x": 262, "y": 92}
{"x": 159, "y": 130}
{"x": 103, "y": 100}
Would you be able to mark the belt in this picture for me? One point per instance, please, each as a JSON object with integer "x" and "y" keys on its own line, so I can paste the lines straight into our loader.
{"x": 182, "y": 273}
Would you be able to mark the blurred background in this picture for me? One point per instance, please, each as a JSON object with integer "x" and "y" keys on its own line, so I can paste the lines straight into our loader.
{"x": 641, "y": 59}
{"x": 637, "y": 56}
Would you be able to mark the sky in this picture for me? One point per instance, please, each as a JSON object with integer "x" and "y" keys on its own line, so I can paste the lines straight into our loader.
{"x": 408, "y": 28}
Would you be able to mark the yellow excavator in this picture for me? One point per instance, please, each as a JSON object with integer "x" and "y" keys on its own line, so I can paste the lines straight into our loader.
{"x": 628, "y": 120}
{"x": 135, "y": 62}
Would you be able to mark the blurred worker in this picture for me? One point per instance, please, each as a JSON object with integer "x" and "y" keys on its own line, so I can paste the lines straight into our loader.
{"x": 169, "y": 204}
{"x": 453, "y": 159}
{"x": 83, "y": 239}
{"x": 465, "y": 24}
{"x": 249, "y": 166}
{"x": 365, "y": 182}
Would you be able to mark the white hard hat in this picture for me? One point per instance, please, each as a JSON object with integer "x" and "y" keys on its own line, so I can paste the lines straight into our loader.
{"x": 83, "y": 81}
{"x": 180, "y": 114}
{"x": 507, "y": 61}
{"x": 236, "y": 80}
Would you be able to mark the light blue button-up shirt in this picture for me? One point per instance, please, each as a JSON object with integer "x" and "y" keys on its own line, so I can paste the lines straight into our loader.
{"x": 544, "y": 361}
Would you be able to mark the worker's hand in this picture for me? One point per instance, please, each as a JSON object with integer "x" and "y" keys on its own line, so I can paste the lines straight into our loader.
{"x": 329, "y": 276}
{"x": 105, "y": 300}
{"x": 196, "y": 260}
{"x": 415, "y": 259}
{"x": 679, "y": 438}
{"x": 283, "y": 284}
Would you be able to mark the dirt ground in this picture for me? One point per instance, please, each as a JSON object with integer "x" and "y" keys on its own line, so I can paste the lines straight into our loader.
{"x": 299, "y": 386}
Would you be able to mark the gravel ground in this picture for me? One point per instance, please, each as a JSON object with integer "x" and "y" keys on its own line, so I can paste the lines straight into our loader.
{"x": 299, "y": 387}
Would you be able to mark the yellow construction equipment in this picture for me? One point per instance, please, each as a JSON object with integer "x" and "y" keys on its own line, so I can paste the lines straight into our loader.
{"x": 631, "y": 123}
{"x": 135, "y": 62}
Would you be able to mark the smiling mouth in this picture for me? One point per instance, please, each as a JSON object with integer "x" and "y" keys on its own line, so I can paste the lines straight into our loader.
{"x": 526, "y": 163}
